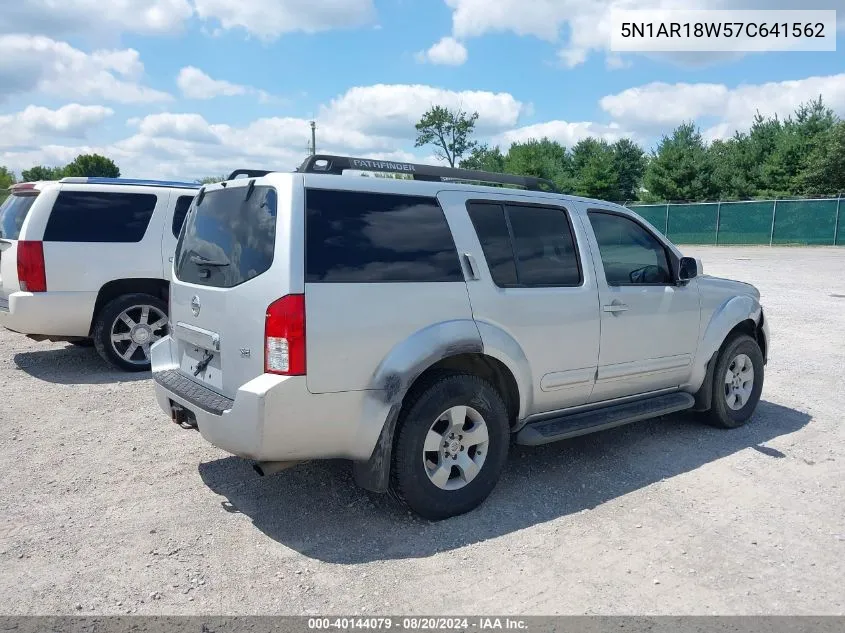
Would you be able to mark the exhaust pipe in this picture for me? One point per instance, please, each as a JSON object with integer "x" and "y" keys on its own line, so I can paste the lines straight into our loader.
{"x": 265, "y": 469}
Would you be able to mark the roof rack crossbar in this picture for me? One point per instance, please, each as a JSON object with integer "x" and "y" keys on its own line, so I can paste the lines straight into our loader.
{"x": 249, "y": 173}
{"x": 336, "y": 165}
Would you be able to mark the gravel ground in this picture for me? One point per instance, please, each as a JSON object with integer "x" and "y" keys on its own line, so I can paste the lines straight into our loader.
{"x": 106, "y": 507}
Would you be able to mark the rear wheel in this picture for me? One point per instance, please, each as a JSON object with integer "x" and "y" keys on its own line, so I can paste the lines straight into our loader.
{"x": 127, "y": 327}
{"x": 452, "y": 446}
{"x": 737, "y": 383}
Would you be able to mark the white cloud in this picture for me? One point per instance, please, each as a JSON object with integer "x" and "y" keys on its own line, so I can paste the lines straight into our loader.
{"x": 393, "y": 109}
{"x": 268, "y": 19}
{"x": 448, "y": 52}
{"x": 372, "y": 121}
{"x": 39, "y": 64}
{"x": 661, "y": 106}
{"x": 565, "y": 132}
{"x": 73, "y": 120}
{"x": 588, "y": 23}
{"x": 195, "y": 84}
{"x": 93, "y": 17}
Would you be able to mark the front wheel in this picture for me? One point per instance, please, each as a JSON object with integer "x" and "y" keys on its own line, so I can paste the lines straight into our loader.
{"x": 737, "y": 383}
{"x": 452, "y": 446}
{"x": 127, "y": 327}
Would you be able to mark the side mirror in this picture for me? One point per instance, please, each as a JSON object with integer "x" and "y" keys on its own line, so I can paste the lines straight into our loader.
{"x": 689, "y": 268}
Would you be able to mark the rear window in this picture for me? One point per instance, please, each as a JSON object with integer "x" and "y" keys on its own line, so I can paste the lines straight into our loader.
{"x": 12, "y": 214}
{"x": 229, "y": 237}
{"x": 360, "y": 237}
{"x": 180, "y": 212}
{"x": 100, "y": 216}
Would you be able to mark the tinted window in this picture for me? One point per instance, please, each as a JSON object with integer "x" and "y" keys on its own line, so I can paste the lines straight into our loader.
{"x": 179, "y": 213}
{"x": 544, "y": 247}
{"x": 95, "y": 216}
{"x": 492, "y": 229}
{"x": 373, "y": 237}
{"x": 526, "y": 245}
{"x": 631, "y": 255}
{"x": 229, "y": 238}
{"x": 13, "y": 213}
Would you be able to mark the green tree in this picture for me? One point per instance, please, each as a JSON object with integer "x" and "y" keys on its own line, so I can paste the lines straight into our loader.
{"x": 542, "y": 158}
{"x": 680, "y": 169}
{"x": 594, "y": 169}
{"x": 208, "y": 180}
{"x": 92, "y": 165}
{"x": 450, "y": 131}
{"x": 40, "y": 172}
{"x": 825, "y": 172}
{"x": 7, "y": 178}
{"x": 629, "y": 161}
{"x": 482, "y": 158}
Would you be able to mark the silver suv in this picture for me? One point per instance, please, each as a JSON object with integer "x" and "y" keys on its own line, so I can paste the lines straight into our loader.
{"x": 418, "y": 326}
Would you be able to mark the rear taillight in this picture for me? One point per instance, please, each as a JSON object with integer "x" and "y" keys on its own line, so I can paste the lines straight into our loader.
{"x": 284, "y": 336}
{"x": 31, "y": 274}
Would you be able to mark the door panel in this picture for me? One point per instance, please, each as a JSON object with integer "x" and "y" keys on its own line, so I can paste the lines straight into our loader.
{"x": 649, "y": 325}
{"x": 539, "y": 287}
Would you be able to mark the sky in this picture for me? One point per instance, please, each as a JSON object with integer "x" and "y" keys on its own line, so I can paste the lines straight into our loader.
{"x": 184, "y": 89}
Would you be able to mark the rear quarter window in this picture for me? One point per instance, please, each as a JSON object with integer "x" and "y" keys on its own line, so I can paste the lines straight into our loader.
{"x": 97, "y": 216}
{"x": 363, "y": 237}
{"x": 180, "y": 212}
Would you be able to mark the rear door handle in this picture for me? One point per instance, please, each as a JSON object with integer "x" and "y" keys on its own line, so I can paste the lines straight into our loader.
{"x": 473, "y": 269}
{"x": 615, "y": 307}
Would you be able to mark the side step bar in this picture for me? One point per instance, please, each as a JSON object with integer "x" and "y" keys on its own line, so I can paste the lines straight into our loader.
{"x": 575, "y": 424}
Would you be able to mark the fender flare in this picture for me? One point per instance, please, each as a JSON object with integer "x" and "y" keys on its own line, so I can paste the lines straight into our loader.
{"x": 405, "y": 363}
{"x": 725, "y": 318}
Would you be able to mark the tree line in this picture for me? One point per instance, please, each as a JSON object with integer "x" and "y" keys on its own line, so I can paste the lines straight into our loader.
{"x": 801, "y": 155}
{"x": 92, "y": 165}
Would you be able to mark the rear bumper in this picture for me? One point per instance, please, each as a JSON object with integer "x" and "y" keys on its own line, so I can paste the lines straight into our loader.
{"x": 58, "y": 314}
{"x": 273, "y": 418}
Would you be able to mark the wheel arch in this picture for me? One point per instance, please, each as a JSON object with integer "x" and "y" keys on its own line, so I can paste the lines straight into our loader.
{"x": 450, "y": 346}
{"x": 119, "y": 287}
{"x": 738, "y": 315}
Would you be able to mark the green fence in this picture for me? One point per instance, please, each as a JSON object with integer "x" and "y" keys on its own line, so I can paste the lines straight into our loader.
{"x": 800, "y": 222}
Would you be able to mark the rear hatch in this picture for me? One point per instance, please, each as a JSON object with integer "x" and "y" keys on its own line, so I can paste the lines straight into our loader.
{"x": 227, "y": 271}
{"x": 13, "y": 212}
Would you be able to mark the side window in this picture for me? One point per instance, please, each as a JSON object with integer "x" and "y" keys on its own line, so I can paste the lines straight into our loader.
{"x": 182, "y": 205}
{"x": 95, "y": 216}
{"x": 371, "y": 237}
{"x": 492, "y": 229}
{"x": 526, "y": 246}
{"x": 631, "y": 255}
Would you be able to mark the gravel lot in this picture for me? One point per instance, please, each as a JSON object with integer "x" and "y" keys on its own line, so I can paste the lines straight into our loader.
{"x": 106, "y": 507}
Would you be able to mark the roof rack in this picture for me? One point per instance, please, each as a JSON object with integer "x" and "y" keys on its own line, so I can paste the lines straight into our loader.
{"x": 336, "y": 165}
{"x": 249, "y": 173}
{"x": 128, "y": 181}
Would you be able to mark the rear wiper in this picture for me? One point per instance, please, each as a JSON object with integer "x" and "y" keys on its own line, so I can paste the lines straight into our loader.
{"x": 199, "y": 260}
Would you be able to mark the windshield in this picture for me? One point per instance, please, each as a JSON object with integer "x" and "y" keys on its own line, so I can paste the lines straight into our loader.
{"x": 13, "y": 213}
{"x": 229, "y": 237}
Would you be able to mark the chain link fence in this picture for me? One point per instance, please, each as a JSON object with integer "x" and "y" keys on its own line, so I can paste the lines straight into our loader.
{"x": 813, "y": 222}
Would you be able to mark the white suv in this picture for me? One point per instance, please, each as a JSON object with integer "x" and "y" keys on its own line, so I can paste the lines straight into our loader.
{"x": 417, "y": 328}
{"x": 88, "y": 260}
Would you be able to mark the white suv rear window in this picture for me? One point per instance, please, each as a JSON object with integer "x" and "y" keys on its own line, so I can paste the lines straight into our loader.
{"x": 13, "y": 213}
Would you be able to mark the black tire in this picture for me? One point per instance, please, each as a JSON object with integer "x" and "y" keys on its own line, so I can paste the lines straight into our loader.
{"x": 82, "y": 342}
{"x": 106, "y": 319}
{"x": 410, "y": 482}
{"x": 720, "y": 414}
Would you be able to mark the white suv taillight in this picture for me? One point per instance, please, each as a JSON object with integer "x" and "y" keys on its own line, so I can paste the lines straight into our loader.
{"x": 32, "y": 275}
{"x": 284, "y": 336}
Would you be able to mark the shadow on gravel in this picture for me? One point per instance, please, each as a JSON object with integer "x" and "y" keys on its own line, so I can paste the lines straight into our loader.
{"x": 73, "y": 365}
{"x": 317, "y": 510}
